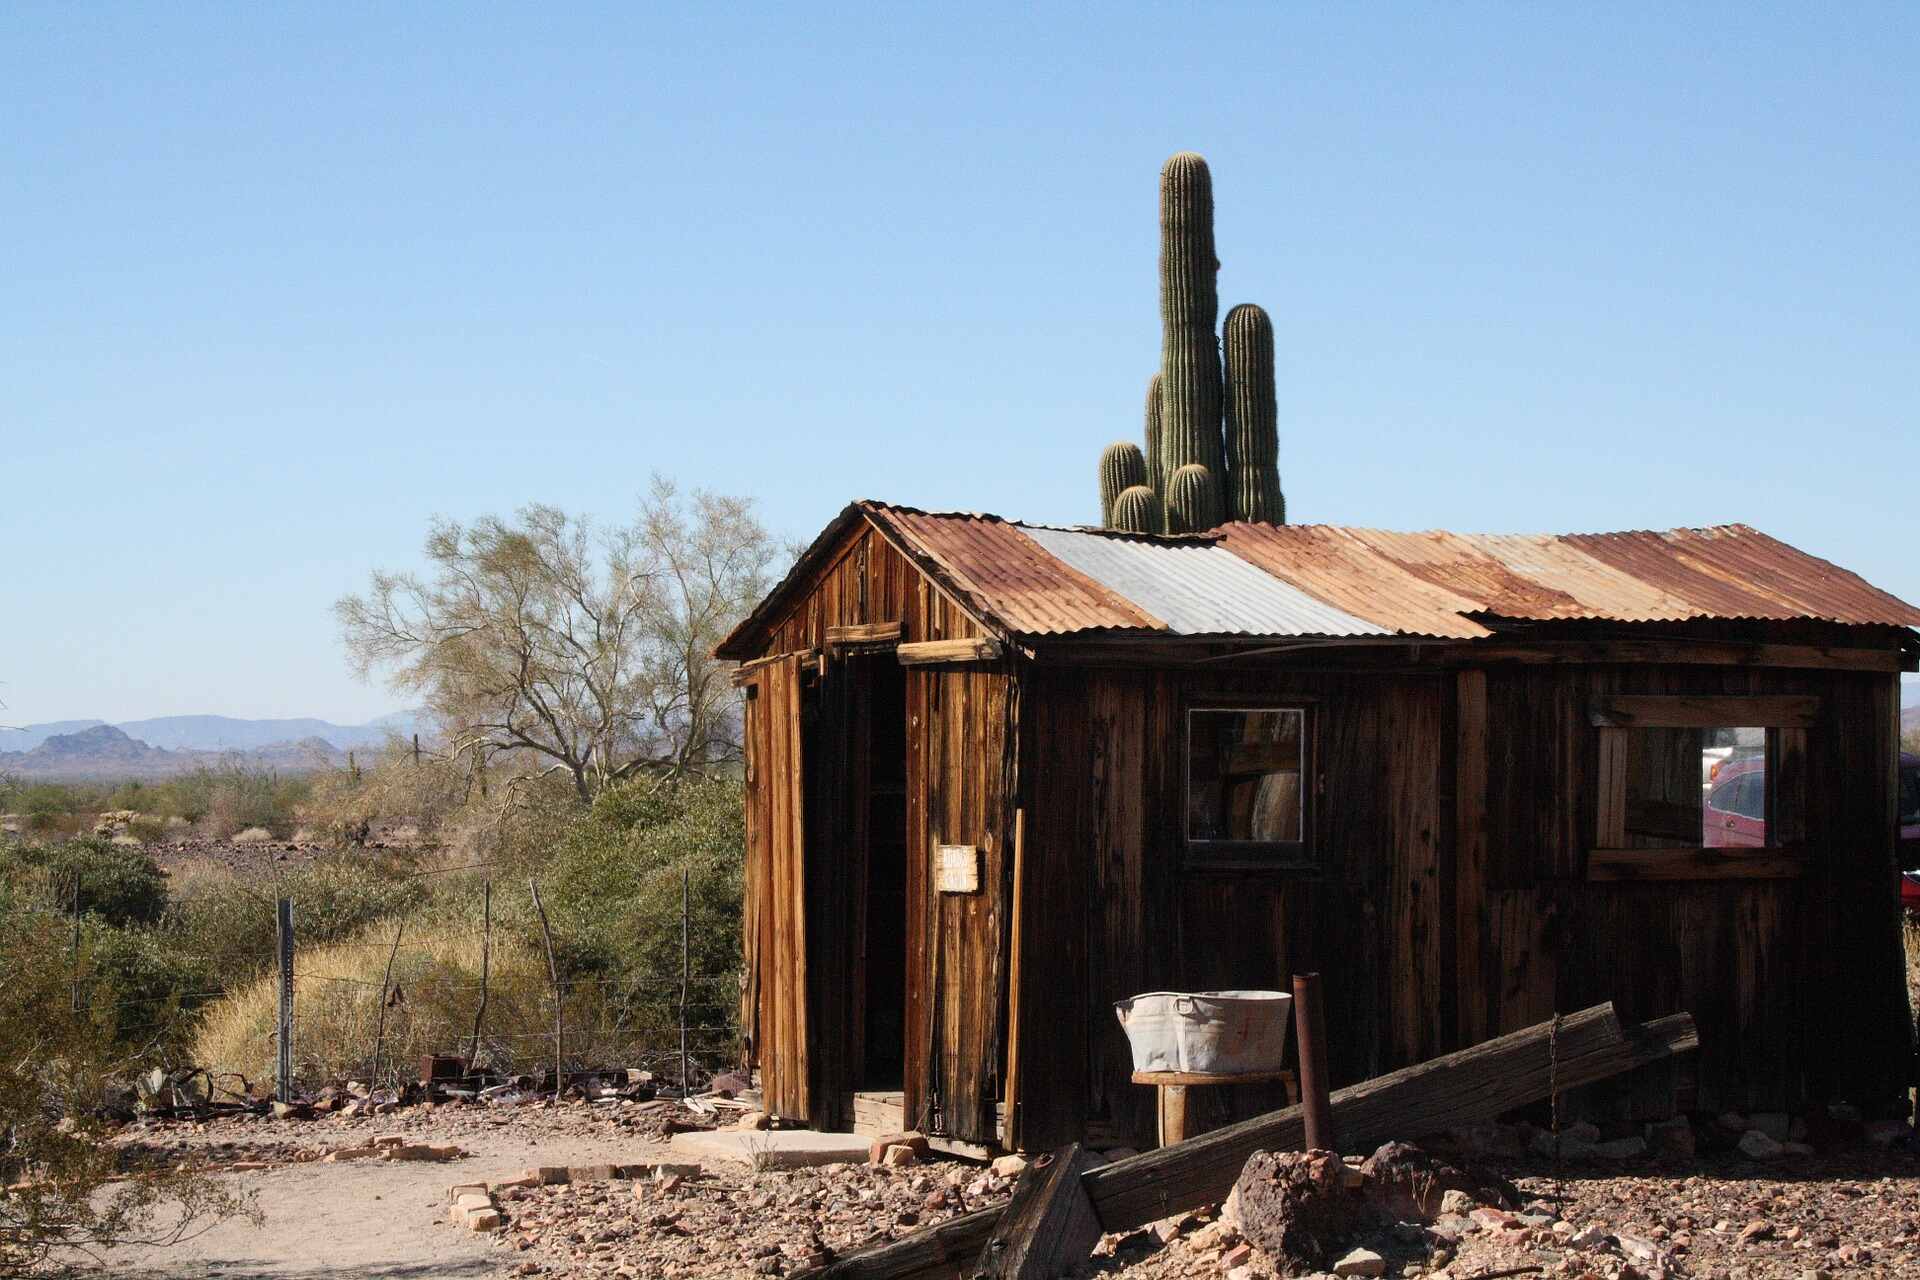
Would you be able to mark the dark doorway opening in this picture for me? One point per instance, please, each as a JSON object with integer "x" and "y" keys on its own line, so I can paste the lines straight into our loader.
{"x": 885, "y": 942}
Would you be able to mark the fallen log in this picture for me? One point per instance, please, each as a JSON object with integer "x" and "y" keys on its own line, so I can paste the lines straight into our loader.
{"x": 1462, "y": 1088}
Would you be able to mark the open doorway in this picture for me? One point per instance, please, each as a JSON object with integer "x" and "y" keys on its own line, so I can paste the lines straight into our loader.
{"x": 884, "y": 998}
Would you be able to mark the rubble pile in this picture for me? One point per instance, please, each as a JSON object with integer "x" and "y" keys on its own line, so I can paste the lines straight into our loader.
{"x": 677, "y": 1221}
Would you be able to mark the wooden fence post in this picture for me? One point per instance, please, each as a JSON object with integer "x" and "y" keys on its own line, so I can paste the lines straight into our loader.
{"x": 553, "y": 975}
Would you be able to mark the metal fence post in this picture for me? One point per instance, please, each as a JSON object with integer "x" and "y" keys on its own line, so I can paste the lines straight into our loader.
{"x": 685, "y": 969}
{"x": 486, "y": 961}
{"x": 73, "y": 963}
{"x": 283, "y": 1077}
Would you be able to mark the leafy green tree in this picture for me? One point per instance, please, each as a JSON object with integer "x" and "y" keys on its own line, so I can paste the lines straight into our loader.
{"x": 583, "y": 649}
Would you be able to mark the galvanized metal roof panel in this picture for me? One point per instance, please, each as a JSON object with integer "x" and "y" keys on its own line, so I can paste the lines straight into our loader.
{"x": 1198, "y": 588}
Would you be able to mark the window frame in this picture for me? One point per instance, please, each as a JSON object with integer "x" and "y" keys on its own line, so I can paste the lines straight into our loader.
{"x": 1296, "y": 858}
{"x": 1786, "y": 718}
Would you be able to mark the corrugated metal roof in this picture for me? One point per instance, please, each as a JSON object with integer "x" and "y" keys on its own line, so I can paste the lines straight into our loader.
{"x": 1326, "y": 580}
{"x": 1198, "y": 588}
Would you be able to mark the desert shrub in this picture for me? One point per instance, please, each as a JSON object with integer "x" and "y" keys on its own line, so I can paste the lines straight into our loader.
{"x": 118, "y": 883}
{"x": 217, "y": 913}
{"x": 57, "y": 1066}
{"x": 142, "y": 987}
{"x": 238, "y": 799}
{"x": 390, "y": 783}
{"x": 148, "y": 829}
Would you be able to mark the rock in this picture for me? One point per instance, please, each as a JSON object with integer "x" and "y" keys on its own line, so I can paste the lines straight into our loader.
{"x": 485, "y": 1220}
{"x": 1216, "y": 1237}
{"x": 1620, "y": 1148}
{"x": 1775, "y": 1124}
{"x": 1237, "y": 1256}
{"x": 1009, "y": 1167}
{"x": 459, "y": 1189}
{"x": 1796, "y": 1149}
{"x": 548, "y": 1175}
{"x": 1361, "y": 1262}
{"x": 1404, "y": 1182}
{"x": 898, "y": 1156}
{"x": 877, "y": 1149}
{"x": 1758, "y": 1229}
{"x": 1756, "y": 1145}
{"x": 1884, "y": 1133}
{"x": 1295, "y": 1206}
{"x": 753, "y": 1120}
{"x": 1672, "y": 1137}
{"x": 1456, "y": 1202}
{"x": 1494, "y": 1219}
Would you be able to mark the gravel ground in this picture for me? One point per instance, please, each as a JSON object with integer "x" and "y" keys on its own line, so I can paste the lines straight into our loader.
{"x": 1849, "y": 1212}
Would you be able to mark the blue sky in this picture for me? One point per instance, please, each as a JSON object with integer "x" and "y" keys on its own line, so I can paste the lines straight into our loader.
{"x": 278, "y": 285}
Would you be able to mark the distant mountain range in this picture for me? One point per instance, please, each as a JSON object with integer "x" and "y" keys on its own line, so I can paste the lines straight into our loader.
{"x": 179, "y": 744}
{"x": 223, "y": 733}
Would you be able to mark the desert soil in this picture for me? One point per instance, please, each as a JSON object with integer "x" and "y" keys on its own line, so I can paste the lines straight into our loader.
{"x": 1853, "y": 1211}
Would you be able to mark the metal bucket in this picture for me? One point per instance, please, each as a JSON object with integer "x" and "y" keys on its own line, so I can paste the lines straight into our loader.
{"x": 1207, "y": 1032}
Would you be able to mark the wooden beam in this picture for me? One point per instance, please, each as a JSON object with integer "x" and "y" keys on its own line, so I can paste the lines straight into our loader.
{"x": 1666, "y": 711}
{"x": 1155, "y": 649}
{"x": 862, "y": 633}
{"x": 749, "y": 671}
{"x": 1049, "y": 1227}
{"x": 1696, "y": 864}
{"x": 1458, "y": 1089}
{"x": 922, "y": 652}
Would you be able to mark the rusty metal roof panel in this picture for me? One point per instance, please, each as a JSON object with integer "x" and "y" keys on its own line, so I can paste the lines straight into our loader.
{"x": 1000, "y": 571}
{"x": 1342, "y": 568}
{"x": 1198, "y": 587}
{"x": 1733, "y": 571}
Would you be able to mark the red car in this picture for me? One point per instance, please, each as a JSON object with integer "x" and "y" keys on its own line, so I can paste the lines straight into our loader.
{"x": 1735, "y": 813}
{"x": 1909, "y": 826}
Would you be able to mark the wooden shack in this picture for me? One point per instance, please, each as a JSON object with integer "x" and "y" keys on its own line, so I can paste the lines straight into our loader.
{"x": 1002, "y": 775}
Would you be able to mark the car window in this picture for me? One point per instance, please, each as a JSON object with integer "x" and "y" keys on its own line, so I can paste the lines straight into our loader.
{"x": 1910, "y": 794}
{"x": 1750, "y": 795}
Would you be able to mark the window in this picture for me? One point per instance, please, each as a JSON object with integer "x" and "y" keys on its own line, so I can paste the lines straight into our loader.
{"x": 1700, "y": 787}
{"x": 1246, "y": 789}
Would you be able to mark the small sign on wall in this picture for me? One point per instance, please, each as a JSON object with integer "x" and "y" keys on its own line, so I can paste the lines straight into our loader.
{"x": 956, "y": 868}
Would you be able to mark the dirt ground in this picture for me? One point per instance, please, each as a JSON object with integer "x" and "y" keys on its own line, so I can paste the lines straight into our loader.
{"x": 1852, "y": 1211}
{"x": 370, "y": 1219}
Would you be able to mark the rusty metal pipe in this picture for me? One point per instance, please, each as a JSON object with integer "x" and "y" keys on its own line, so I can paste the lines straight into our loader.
{"x": 1310, "y": 1026}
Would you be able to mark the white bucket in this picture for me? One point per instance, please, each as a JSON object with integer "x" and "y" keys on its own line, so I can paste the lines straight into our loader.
{"x": 1207, "y": 1032}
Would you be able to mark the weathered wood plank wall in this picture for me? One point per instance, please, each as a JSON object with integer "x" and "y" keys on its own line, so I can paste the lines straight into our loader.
{"x": 869, "y": 581}
{"x": 1454, "y": 818}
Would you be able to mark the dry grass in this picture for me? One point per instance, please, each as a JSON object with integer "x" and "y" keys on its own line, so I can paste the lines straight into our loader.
{"x": 252, "y": 835}
{"x": 435, "y": 992}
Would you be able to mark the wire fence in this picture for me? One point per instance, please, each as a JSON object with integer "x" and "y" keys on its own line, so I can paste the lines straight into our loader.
{"x": 504, "y": 1000}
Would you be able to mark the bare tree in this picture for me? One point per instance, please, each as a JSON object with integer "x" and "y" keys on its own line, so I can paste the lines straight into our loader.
{"x": 586, "y": 648}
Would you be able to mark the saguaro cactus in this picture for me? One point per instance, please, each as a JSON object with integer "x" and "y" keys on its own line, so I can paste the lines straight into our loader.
{"x": 1189, "y": 305}
{"x": 1136, "y": 510}
{"x": 1156, "y": 463}
{"x": 1193, "y": 500}
{"x": 1122, "y": 467}
{"x": 1252, "y": 420}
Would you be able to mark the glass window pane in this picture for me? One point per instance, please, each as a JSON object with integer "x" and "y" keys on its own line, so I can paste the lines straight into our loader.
{"x": 1692, "y": 787}
{"x": 1244, "y": 771}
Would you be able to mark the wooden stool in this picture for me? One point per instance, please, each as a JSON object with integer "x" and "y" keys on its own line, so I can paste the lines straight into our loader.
{"x": 1173, "y": 1086}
